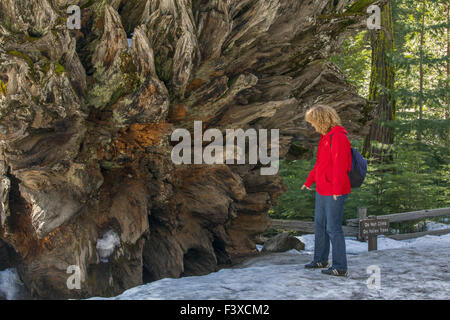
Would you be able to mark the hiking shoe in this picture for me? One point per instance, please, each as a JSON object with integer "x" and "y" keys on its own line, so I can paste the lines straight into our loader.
{"x": 317, "y": 265}
{"x": 335, "y": 272}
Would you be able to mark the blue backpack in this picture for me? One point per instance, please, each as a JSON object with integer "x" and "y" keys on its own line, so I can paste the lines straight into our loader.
{"x": 359, "y": 168}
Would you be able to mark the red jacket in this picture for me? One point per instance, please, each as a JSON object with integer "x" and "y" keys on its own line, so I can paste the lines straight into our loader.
{"x": 332, "y": 164}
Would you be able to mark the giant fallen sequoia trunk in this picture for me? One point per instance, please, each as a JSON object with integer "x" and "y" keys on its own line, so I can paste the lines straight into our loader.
{"x": 86, "y": 177}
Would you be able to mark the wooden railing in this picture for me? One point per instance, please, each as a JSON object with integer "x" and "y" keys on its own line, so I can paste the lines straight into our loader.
{"x": 410, "y": 216}
{"x": 307, "y": 226}
{"x": 352, "y": 227}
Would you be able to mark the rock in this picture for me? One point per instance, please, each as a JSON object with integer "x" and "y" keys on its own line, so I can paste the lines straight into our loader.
{"x": 85, "y": 126}
{"x": 283, "y": 242}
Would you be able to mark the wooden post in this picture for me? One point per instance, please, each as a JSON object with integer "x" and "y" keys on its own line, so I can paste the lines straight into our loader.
{"x": 372, "y": 242}
{"x": 362, "y": 214}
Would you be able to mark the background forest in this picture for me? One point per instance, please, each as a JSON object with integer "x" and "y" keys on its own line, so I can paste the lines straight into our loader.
{"x": 406, "y": 79}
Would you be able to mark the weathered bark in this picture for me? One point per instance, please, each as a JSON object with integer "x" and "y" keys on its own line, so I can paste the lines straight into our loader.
{"x": 85, "y": 125}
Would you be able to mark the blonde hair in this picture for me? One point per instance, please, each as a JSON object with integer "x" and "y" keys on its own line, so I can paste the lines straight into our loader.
{"x": 323, "y": 117}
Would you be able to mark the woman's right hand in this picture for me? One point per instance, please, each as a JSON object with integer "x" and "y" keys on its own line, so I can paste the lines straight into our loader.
{"x": 304, "y": 186}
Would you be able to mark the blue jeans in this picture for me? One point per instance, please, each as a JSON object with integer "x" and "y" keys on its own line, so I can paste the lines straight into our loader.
{"x": 328, "y": 217}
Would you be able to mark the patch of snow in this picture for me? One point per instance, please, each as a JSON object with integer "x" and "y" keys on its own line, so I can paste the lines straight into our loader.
{"x": 409, "y": 269}
{"x": 10, "y": 284}
{"x": 354, "y": 246}
{"x": 433, "y": 225}
{"x": 107, "y": 244}
{"x": 130, "y": 41}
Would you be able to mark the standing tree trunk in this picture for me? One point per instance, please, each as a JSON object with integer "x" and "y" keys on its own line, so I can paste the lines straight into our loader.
{"x": 380, "y": 137}
{"x": 447, "y": 80}
{"x": 422, "y": 35}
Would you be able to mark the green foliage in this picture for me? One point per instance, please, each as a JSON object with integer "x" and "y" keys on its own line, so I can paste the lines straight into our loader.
{"x": 418, "y": 173}
{"x": 295, "y": 203}
{"x": 354, "y": 60}
{"x": 427, "y": 19}
{"x": 418, "y": 178}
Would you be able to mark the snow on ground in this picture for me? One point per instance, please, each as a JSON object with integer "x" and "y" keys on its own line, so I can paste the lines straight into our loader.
{"x": 10, "y": 285}
{"x": 106, "y": 245}
{"x": 130, "y": 41}
{"x": 409, "y": 269}
{"x": 432, "y": 225}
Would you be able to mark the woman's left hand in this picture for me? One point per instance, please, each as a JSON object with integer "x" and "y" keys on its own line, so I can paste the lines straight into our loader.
{"x": 335, "y": 196}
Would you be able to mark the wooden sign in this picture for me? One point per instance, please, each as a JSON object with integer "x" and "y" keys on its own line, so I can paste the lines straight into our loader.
{"x": 373, "y": 226}
{"x": 370, "y": 228}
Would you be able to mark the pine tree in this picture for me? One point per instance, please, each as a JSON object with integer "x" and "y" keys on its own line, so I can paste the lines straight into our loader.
{"x": 421, "y": 62}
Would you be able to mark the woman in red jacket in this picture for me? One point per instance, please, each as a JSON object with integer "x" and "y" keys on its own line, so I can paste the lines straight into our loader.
{"x": 330, "y": 174}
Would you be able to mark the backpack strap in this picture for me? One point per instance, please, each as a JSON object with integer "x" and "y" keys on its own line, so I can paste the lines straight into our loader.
{"x": 331, "y": 139}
